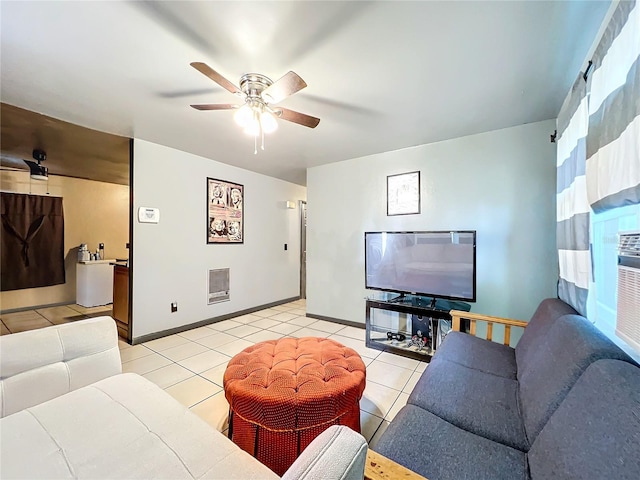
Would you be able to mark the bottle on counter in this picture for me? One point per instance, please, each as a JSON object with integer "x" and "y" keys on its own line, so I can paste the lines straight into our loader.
{"x": 101, "y": 251}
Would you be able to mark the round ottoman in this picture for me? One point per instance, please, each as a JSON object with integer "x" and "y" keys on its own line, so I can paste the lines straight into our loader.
{"x": 284, "y": 393}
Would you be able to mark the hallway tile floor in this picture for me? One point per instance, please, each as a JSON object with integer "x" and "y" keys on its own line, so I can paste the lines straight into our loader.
{"x": 190, "y": 365}
{"x": 45, "y": 317}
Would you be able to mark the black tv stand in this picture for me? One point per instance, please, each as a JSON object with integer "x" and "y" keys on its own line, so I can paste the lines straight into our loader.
{"x": 428, "y": 302}
{"x": 393, "y": 331}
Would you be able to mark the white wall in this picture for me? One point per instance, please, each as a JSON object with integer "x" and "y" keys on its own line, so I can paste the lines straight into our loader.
{"x": 500, "y": 183}
{"x": 171, "y": 258}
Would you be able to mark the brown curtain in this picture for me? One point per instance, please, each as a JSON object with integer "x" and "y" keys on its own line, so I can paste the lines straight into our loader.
{"x": 32, "y": 241}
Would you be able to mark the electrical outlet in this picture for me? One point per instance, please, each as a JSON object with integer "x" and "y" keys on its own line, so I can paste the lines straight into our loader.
{"x": 174, "y": 307}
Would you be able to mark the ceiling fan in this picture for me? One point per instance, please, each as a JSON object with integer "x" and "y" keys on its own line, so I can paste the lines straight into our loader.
{"x": 38, "y": 171}
{"x": 258, "y": 114}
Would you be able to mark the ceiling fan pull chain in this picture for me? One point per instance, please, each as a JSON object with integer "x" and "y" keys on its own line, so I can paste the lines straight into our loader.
{"x": 256, "y": 121}
{"x": 260, "y": 129}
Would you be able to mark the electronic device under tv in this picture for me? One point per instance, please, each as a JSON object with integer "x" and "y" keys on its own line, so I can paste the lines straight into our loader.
{"x": 438, "y": 264}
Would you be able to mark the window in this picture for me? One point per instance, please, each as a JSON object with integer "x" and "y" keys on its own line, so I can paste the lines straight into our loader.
{"x": 604, "y": 238}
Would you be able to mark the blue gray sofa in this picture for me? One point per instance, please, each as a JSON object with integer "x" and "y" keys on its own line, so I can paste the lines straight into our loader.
{"x": 563, "y": 404}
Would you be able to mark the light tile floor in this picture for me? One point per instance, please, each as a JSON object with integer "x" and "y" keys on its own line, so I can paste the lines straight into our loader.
{"x": 190, "y": 365}
{"x": 45, "y": 317}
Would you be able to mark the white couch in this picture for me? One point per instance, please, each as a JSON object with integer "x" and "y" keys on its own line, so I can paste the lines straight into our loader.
{"x": 68, "y": 412}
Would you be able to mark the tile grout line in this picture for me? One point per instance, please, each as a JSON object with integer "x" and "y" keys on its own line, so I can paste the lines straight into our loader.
{"x": 387, "y": 386}
{"x": 5, "y": 326}
{"x": 194, "y": 374}
{"x": 375, "y": 433}
{"x": 176, "y": 361}
{"x": 207, "y": 398}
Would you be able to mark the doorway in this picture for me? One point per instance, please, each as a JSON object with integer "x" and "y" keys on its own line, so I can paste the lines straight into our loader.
{"x": 303, "y": 249}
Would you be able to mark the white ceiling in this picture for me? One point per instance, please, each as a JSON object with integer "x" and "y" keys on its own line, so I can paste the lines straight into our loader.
{"x": 381, "y": 75}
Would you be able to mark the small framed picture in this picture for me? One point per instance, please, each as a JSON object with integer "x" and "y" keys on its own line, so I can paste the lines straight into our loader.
{"x": 225, "y": 211}
{"x": 403, "y": 194}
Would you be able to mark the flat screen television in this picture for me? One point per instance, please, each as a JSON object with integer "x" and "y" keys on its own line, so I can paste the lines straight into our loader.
{"x": 431, "y": 264}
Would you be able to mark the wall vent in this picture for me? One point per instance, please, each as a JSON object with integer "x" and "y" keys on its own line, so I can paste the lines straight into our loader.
{"x": 218, "y": 286}
{"x": 628, "y": 314}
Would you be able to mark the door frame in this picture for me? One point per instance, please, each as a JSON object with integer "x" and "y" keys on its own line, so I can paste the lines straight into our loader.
{"x": 303, "y": 248}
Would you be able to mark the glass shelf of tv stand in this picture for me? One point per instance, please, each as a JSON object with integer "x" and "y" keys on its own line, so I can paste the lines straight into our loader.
{"x": 409, "y": 325}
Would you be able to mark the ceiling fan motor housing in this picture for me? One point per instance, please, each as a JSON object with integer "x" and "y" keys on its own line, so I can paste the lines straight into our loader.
{"x": 253, "y": 84}
{"x": 39, "y": 155}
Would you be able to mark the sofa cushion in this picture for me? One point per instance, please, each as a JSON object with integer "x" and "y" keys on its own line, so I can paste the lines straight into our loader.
{"x": 438, "y": 450}
{"x": 479, "y": 402}
{"x": 595, "y": 433}
{"x": 545, "y": 315}
{"x": 479, "y": 354}
{"x": 38, "y": 365}
{"x": 572, "y": 343}
{"x": 121, "y": 427}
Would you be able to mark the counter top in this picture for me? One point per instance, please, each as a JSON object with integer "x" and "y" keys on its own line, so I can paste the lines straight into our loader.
{"x": 95, "y": 262}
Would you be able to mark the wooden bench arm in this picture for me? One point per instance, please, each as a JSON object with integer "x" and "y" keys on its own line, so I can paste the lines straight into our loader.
{"x": 379, "y": 467}
{"x": 458, "y": 315}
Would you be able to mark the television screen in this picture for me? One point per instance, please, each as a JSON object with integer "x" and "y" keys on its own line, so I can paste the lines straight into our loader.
{"x": 434, "y": 264}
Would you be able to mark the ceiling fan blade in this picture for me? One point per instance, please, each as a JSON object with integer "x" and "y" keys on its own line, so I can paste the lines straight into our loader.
{"x": 10, "y": 160}
{"x": 215, "y": 106}
{"x": 289, "y": 84}
{"x": 216, "y": 77}
{"x": 297, "y": 117}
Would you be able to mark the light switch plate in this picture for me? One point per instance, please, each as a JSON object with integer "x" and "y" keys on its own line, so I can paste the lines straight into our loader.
{"x": 148, "y": 215}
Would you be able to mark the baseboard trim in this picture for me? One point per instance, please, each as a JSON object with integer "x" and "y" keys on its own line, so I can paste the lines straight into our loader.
{"x": 36, "y": 307}
{"x": 348, "y": 323}
{"x": 208, "y": 321}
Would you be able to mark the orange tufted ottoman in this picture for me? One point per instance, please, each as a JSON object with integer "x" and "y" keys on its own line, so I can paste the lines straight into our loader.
{"x": 284, "y": 393}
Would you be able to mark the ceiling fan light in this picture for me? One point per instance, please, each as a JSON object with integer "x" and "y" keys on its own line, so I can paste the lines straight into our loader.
{"x": 253, "y": 127}
{"x": 39, "y": 177}
{"x": 268, "y": 122}
{"x": 243, "y": 116}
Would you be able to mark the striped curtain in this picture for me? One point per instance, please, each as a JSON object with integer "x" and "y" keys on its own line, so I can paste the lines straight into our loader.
{"x": 613, "y": 140}
{"x": 572, "y": 233}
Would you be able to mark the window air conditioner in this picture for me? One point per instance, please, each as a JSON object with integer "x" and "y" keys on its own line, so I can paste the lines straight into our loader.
{"x": 628, "y": 312}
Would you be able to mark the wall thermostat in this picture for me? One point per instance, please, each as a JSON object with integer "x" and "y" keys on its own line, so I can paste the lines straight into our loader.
{"x": 148, "y": 215}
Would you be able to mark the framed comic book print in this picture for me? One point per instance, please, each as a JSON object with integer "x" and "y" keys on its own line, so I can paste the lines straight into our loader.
{"x": 225, "y": 211}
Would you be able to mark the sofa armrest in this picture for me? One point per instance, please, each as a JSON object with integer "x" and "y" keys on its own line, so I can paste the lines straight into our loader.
{"x": 337, "y": 453}
{"x": 379, "y": 467}
{"x": 38, "y": 365}
{"x": 457, "y": 316}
